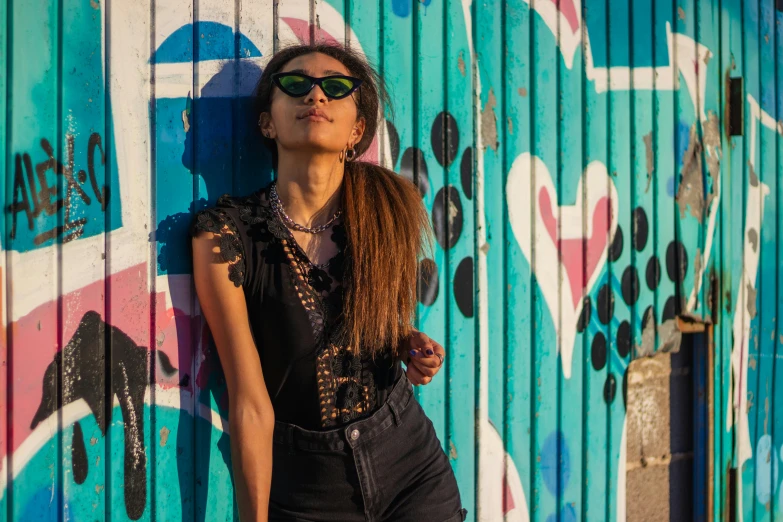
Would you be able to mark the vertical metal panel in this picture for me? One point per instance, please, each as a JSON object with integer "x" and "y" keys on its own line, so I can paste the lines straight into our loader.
{"x": 576, "y": 163}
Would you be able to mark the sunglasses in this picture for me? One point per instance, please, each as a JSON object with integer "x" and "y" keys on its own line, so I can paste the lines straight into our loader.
{"x": 297, "y": 84}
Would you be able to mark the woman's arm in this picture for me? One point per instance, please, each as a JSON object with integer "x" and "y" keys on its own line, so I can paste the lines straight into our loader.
{"x": 251, "y": 418}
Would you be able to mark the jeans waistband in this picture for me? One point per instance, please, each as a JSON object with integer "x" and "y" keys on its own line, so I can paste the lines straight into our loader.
{"x": 335, "y": 440}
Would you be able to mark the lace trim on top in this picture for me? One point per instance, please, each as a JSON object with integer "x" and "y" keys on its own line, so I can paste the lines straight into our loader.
{"x": 217, "y": 221}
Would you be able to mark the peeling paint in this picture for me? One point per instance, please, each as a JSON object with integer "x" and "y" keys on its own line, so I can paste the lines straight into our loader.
{"x": 712, "y": 146}
{"x": 691, "y": 190}
{"x": 523, "y": 92}
{"x": 461, "y": 64}
{"x": 648, "y": 149}
{"x": 670, "y": 336}
{"x": 452, "y": 451}
{"x": 95, "y": 4}
{"x": 164, "y": 436}
{"x": 697, "y": 262}
{"x": 753, "y": 237}
{"x": 754, "y": 179}
{"x": 185, "y": 120}
{"x": 751, "y": 304}
{"x": 681, "y": 13}
{"x": 510, "y": 125}
{"x": 489, "y": 123}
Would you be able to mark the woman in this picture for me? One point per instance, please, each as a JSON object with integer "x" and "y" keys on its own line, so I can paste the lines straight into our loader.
{"x": 313, "y": 280}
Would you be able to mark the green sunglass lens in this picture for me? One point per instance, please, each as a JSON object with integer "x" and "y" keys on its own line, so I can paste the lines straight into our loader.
{"x": 295, "y": 84}
{"x": 337, "y": 86}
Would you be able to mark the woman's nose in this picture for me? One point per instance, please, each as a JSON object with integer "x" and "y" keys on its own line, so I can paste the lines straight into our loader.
{"x": 316, "y": 94}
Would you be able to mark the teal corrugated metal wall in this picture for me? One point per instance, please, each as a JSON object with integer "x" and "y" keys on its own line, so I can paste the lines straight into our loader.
{"x": 585, "y": 188}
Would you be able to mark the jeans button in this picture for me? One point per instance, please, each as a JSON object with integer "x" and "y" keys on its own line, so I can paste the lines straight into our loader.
{"x": 354, "y": 434}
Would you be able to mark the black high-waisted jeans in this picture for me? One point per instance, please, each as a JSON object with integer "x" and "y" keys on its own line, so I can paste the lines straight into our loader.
{"x": 387, "y": 467}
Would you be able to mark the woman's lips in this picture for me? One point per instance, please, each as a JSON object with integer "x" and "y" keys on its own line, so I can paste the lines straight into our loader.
{"x": 314, "y": 117}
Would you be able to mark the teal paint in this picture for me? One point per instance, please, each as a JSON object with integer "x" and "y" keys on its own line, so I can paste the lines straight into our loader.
{"x": 573, "y": 168}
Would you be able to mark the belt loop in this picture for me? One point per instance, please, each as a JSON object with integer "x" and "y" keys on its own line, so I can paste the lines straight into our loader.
{"x": 396, "y": 413}
{"x": 290, "y": 439}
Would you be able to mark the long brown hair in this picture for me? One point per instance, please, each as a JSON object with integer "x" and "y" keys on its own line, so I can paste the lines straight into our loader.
{"x": 386, "y": 223}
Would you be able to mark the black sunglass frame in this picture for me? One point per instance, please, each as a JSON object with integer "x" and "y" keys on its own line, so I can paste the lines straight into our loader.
{"x": 316, "y": 81}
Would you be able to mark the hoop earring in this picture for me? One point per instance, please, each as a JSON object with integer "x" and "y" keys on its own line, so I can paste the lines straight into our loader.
{"x": 350, "y": 154}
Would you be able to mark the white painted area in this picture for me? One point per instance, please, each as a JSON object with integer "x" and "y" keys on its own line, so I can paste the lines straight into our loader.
{"x": 499, "y": 475}
{"x": 521, "y": 199}
{"x": 690, "y": 59}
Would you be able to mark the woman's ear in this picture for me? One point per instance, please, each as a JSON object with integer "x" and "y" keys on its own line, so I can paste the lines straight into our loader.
{"x": 266, "y": 125}
{"x": 358, "y": 131}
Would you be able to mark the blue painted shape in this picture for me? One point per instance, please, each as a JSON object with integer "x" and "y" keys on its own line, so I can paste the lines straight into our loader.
{"x": 555, "y": 460}
{"x": 766, "y": 469}
{"x": 216, "y": 42}
{"x": 43, "y": 505}
{"x": 567, "y": 514}
{"x": 402, "y": 8}
{"x": 681, "y": 141}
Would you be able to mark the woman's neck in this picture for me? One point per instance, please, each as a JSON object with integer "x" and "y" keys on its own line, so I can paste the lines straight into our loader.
{"x": 309, "y": 186}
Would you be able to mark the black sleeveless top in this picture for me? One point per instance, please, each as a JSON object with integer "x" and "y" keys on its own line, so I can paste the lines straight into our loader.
{"x": 295, "y": 308}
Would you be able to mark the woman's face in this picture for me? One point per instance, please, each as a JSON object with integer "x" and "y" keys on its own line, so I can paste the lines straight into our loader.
{"x": 289, "y": 123}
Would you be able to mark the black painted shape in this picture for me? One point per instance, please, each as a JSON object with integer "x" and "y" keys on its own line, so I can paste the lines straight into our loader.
{"x": 598, "y": 352}
{"x": 394, "y": 142}
{"x": 184, "y": 381}
{"x": 428, "y": 282}
{"x": 414, "y": 167}
{"x": 463, "y": 286}
{"x": 653, "y": 273}
{"x": 624, "y": 339}
{"x": 676, "y": 261}
{"x": 78, "y": 455}
{"x": 670, "y": 309}
{"x": 447, "y": 216}
{"x": 641, "y": 229}
{"x": 630, "y": 285}
{"x": 84, "y": 378}
{"x": 445, "y": 138}
{"x": 584, "y": 315}
{"x": 610, "y": 388}
{"x": 466, "y": 172}
{"x": 616, "y": 249}
{"x": 605, "y": 304}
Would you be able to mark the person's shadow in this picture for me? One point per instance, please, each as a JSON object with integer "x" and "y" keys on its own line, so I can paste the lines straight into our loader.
{"x": 223, "y": 147}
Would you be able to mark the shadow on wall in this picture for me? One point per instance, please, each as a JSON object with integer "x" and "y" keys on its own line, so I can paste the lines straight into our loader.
{"x": 222, "y": 146}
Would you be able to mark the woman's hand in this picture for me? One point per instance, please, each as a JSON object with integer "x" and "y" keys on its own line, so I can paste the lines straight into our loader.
{"x": 423, "y": 356}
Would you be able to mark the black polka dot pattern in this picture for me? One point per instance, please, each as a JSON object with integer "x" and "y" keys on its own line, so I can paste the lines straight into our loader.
{"x": 598, "y": 352}
{"x": 394, "y": 142}
{"x": 625, "y": 389}
{"x": 584, "y": 315}
{"x": 610, "y": 388}
{"x": 445, "y": 138}
{"x": 605, "y": 304}
{"x": 670, "y": 309}
{"x": 630, "y": 285}
{"x": 414, "y": 168}
{"x": 641, "y": 229}
{"x": 466, "y": 172}
{"x": 653, "y": 273}
{"x": 616, "y": 249}
{"x": 648, "y": 320}
{"x": 624, "y": 339}
{"x": 676, "y": 261}
{"x": 447, "y": 216}
{"x": 463, "y": 286}
{"x": 427, "y": 282}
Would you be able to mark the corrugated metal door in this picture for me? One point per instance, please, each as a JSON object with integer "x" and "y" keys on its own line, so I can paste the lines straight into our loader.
{"x": 592, "y": 171}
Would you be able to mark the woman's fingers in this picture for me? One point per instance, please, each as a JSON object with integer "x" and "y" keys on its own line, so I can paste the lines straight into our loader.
{"x": 416, "y": 376}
